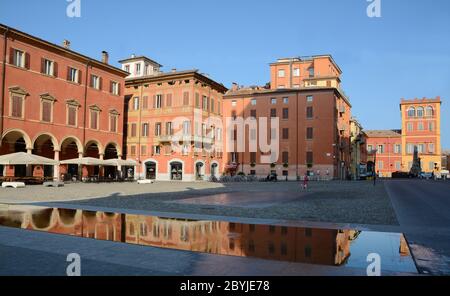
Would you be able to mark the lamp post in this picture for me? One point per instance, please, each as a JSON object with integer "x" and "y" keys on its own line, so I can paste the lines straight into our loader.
{"x": 375, "y": 166}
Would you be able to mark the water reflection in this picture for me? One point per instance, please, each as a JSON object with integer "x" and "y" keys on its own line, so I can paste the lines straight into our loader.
{"x": 294, "y": 244}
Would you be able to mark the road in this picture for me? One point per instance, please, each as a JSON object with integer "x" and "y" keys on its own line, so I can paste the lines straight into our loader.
{"x": 423, "y": 211}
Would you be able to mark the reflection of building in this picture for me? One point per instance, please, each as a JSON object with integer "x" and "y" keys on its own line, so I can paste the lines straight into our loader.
{"x": 57, "y": 103}
{"x": 164, "y": 106}
{"x": 314, "y": 116}
{"x": 384, "y": 150}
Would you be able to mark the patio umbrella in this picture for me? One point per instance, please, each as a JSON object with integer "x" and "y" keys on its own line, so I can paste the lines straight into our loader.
{"x": 85, "y": 161}
{"x": 120, "y": 162}
{"x": 22, "y": 158}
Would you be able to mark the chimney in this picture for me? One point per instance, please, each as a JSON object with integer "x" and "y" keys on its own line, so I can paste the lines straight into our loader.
{"x": 105, "y": 57}
{"x": 174, "y": 70}
{"x": 133, "y": 56}
{"x": 66, "y": 44}
{"x": 235, "y": 86}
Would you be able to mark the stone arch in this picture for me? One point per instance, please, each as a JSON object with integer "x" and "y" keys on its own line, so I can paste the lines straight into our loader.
{"x": 16, "y": 134}
{"x": 74, "y": 140}
{"x": 116, "y": 146}
{"x": 89, "y": 144}
{"x": 145, "y": 168}
{"x": 51, "y": 137}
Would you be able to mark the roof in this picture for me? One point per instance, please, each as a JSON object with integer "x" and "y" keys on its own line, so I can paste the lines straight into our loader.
{"x": 176, "y": 75}
{"x": 137, "y": 58}
{"x": 420, "y": 101}
{"x": 253, "y": 91}
{"x": 383, "y": 133}
{"x": 305, "y": 59}
{"x": 64, "y": 50}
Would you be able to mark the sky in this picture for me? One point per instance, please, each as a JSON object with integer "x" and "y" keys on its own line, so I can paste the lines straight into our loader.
{"x": 403, "y": 54}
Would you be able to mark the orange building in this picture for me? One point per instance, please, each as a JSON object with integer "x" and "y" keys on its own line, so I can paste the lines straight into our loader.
{"x": 57, "y": 103}
{"x": 174, "y": 124}
{"x": 314, "y": 121}
{"x": 421, "y": 126}
{"x": 384, "y": 148}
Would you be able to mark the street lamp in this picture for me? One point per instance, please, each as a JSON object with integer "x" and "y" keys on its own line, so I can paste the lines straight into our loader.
{"x": 374, "y": 151}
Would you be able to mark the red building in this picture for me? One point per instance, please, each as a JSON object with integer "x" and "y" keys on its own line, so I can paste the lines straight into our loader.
{"x": 384, "y": 148}
{"x": 57, "y": 103}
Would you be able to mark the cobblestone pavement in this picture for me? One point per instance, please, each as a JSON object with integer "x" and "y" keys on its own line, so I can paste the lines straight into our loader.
{"x": 336, "y": 201}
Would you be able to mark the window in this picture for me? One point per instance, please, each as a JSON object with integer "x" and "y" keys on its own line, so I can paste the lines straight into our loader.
{"x": 252, "y": 157}
{"x": 113, "y": 121}
{"x": 409, "y": 148}
{"x": 197, "y": 101}
{"x": 397, "y": 149}
{"x": 17, "y": 106}
{"x": 380, "y": 149}
{"x": 273, "y": 113}
{"x": 46, "y": 110}
{"x": 138, "y": 68}
{"x": 145, "y": 129}
{"x": 96, "y": 82}
{"x": 133, "y": 150}
{"x": 411, "y": 112}
{"x": 285, "y": 113}
{"x": 144, "y": 102}
{"x": 187, "y": 128}
{"x": 136, "y": 103}
{"x": 133, "y": 131}
{"x": 309, "y": 112}
{"x": 421, "y": 148}
{"x": 311, "y": 72}
{"x": 309, "y": 133}
{"x": 285, "y": 100}
{"x": 127, "y": 68}
{"x": 253, "y": 102}
{"x": 169, "y": 100}
{"x": 233, "y": 114}
{"x": 281, "y": 73}
{"x": 369, "y": 148}
{"x": 144, "y": 150}
{"x": 309, "y": 99}
{"x": 233, "y": 103}
{"x": 285, "y": 157}
{"x": 156, "y": 150}
{"x": 158, "y": 129}
{"x": 420, "y": 112}
{"x": 420, "y": 126}
{"x": 429, "y": 111}
{"x": 296, "y": 72}
{"x": 309, "y": 158}
{"x": 19, "y": 59}
{"x": 380, "y": 164}
{"x": 205, "y": 103}
{"x": 73, "y": 75}
{"x": 48, "y": 67}
{"x": 219, "y": 134}
{"x": 431, "y": 148}
{"x": 94, "y": 112}
{"x": 398, "y": 165}
{"x": 158, "y": 101}
{"x": 212, "y": 105}
{"x": 410, "y": 127}
{"x": 285, "y": 133}
{"x": 273, "y": 101}
{"x": 253, "y": 114}
{"x": 169, "y": 130}
{"x": 431, "y": 126}
{"x": 186, "y": 98}
{"x": 114, "y": 88}
{"x": 72, "y": 115}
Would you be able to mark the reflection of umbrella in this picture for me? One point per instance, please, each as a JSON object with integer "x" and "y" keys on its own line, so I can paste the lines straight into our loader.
{"x": 22, "y": 158}
{"x": 174, "y": 170}
{"x": 180, "y": 170}
{"x": 120, "y": 162}
{"x": 85, "y": 161}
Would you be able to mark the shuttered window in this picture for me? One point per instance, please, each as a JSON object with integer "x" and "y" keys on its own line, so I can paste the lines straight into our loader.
{"x": 169, "y": 100}
{"x": 309, "y": 133}
{"x": 16, "y": 106}
{"x": 133, "y": 130}
{"x": 186, "y": 98}
{"x": 94, "y": 119}
{"x": 113, "y": 123}
{"x": 47, "y": 111}
{"x": 145, "y": 102}
{"x": 309, "y": 112}
{"x": 72, "y": 116}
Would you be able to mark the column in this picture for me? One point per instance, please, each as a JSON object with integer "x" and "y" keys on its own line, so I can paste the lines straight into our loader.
{"x": 29, "y": 167}
{"x": 56, "y": 171}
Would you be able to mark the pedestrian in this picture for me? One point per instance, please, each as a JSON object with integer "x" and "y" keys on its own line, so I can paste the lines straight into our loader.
{"x": 305, "y": 182}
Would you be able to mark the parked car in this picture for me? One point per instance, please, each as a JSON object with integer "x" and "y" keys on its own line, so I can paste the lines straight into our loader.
{"x": 400, "y": 175}
{"x": 424, "y": 175}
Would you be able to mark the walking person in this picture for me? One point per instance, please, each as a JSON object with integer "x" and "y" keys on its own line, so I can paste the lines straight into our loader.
{"x": 305, "y": 182}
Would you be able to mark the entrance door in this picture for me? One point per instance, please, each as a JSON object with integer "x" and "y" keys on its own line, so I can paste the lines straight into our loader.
{"x": 150, "y": 170}
{"x": 176, "y": 171}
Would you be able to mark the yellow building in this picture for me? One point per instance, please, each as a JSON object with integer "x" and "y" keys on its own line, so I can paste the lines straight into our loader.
{"x": 421, "y": 128}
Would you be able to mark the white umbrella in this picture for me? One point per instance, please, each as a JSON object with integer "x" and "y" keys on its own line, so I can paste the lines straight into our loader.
{"x": 84, "y": 161}
{"x": 120, "y": 162}
{"x": 22, "y": 158}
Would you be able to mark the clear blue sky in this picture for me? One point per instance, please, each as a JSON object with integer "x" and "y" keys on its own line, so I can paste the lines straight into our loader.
{"x": 405, "y": 53}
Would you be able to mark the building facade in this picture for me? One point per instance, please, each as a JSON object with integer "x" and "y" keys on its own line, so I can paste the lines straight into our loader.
{"x": 314, "y": 122}
{"x": 421, "y": 128}
{"x": 57, "y": 103}
{"x": 358, "y": 140}
{"x": 174, "y": 125}
{"x": 384, "y": 148}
